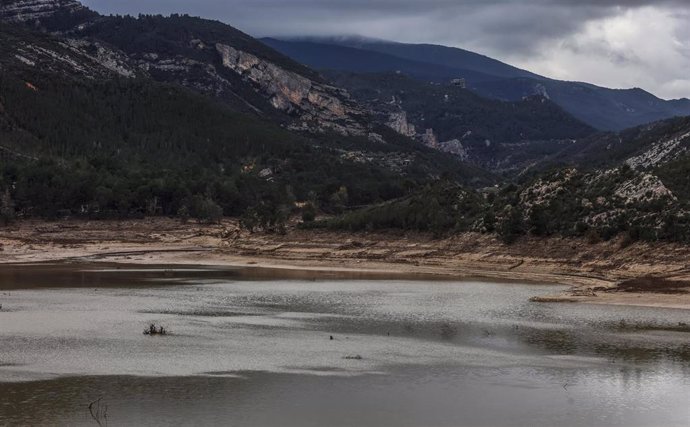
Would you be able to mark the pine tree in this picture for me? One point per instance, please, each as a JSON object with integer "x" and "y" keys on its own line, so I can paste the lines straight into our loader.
{"x": 511, "y": 225}
{"x": 7, "y": 213}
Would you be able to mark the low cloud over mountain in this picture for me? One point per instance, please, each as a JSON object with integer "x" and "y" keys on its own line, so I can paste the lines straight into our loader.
{"x": 619, "y": 43}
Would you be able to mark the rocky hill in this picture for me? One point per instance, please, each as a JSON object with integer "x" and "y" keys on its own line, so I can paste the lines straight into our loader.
{"x": 206, "y": 56}
{"x": 496, "y": 135}
{"x": 598, "y": 205}
{"x": 112, "y": 117}
{"x": 633, "y": 185}
{"x": 219, "y": 61}
{"x": 643, "y": 147}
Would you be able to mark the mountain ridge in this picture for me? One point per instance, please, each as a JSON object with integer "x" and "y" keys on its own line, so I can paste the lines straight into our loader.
{"x": 220, "y": 61}
{"x": 107, "y": 117}
{"x": 194, "y": 53}
{"x": 496, "y": 135}
{"x": 453, "y": 57}
{"x": 603, "y": 108}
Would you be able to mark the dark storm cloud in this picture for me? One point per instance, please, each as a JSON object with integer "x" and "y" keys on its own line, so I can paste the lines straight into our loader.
{"x": 498, "y": 24}
{"x": 525, "y": 32}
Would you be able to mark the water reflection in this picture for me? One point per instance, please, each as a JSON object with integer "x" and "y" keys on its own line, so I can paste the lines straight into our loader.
{"x": 260, "y": 352}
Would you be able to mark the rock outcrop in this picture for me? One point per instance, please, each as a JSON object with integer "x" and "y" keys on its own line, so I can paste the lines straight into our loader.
{"x": 430, "y": 139}
{"x": 398, "y": 122}
{"x": 663, "y": 151}
{"x": 644, "y": 188}
{"x": 248, "y": 78}
{"x": 318, "y": 106}
{"x": 111, "y": 59}
{"x": 31, "y": 10}
{"x": 68, "y": 59}
{"x": 454, "y": 146}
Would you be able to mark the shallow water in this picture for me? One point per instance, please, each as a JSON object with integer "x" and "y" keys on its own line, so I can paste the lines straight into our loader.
{"x": 259, "y": 352}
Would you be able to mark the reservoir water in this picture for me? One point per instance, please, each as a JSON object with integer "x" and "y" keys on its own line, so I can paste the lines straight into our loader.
{"x": 261, "y": 350}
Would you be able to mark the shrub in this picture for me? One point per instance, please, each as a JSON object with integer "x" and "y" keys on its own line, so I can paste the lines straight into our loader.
{"x": 593, "y": 237}
{"x": 308, "y": 213}
{"x": 7, "y": 213}
{"x": 511, "y": 225}
{"x": 207, "y": 210}
{"x": 183, "y": 214}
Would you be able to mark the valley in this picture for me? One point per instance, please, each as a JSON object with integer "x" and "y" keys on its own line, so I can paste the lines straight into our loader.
{"x": 124, "y": 123}
{"x": 202, "y": 225}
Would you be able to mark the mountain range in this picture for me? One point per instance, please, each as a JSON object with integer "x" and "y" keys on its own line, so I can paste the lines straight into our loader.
{"x": 602, "y": 108}
{"x": 112, "y": 116}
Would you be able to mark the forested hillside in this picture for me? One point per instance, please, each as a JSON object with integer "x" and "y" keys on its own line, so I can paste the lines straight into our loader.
{"x": 117, "y": 117}
{"x": 496, "y": 135}
{"x": 126, "y": 147}
{"x": 567, "y": 203}
{"x": 127, "y": 117}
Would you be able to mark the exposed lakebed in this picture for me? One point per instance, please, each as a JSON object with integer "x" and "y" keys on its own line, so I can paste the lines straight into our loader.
{"x": 255, "y": 349}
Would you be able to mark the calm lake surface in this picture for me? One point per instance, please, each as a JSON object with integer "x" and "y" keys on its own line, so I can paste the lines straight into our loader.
{"x": 247, "y": 349}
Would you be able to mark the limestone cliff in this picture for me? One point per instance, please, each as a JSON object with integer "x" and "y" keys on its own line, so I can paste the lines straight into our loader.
{"x": 316, "y": 105}
{"x": 398, "y": 122}
{"x": 69, "y": 57}
{"x": 429, "y": 139}
{"x": 208, "y": 57}
{"x": 30, "y": 10}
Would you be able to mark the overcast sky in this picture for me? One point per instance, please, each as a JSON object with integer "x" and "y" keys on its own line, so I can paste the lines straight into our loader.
{"x": 614, "y": 43}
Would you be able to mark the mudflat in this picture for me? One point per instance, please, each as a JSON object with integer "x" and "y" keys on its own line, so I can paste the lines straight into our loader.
{"x": 595, "y": 272}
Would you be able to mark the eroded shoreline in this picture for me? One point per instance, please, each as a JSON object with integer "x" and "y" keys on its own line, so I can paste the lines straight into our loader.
{"x": 591, "y": 270}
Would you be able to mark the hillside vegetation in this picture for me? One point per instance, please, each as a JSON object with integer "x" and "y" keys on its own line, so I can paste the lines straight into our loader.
{"x": 120, "y": 117}
{"x": 567, "y": 203}
{"x": 132, "y": 147}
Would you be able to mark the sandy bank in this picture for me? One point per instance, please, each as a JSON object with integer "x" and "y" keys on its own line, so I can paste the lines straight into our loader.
{"x": 593, "y": 270}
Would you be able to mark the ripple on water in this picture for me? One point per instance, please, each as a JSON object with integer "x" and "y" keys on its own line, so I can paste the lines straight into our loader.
{"x": 431, "y": 353}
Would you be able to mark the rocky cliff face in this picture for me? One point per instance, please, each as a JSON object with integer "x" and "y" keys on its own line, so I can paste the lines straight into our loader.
{"x": 205, "y": 56}
{"x": 663, "y": 151}
{"x": 31, "y": 10}
{"x": 430, "y": 139}
{"x": 70, "y": 57}
{"x": 316, "y": 105}
{"x": 398, "y": 122}
{"x": 454, "y": 146}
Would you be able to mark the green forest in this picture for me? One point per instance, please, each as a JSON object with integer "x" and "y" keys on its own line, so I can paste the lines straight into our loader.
{"x": 125, "y": 148}
{"x": 133, "y": 148}
{"x": 110, "y": 148}
{"x": 579, "y": 205}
